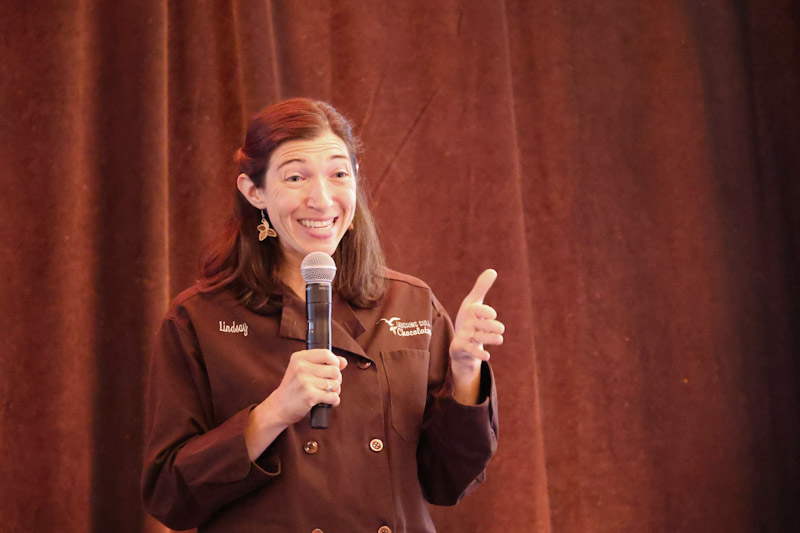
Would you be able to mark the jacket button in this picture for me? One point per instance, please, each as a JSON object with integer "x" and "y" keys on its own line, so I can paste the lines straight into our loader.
{"x": 384, "y": 529}
{"x": 363, "y": 364}
{"x": 311, "y": 447}
{"x": 376, "y": 445}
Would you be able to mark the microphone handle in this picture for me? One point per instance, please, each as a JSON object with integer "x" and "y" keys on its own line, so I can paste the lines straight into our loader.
{"x": 318, "y": 313}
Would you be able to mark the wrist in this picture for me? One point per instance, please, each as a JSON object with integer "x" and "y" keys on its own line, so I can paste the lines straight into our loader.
{"x": 269, "y": 416}
{"x": 466, "y": 383}
{"x": 263, "y": 427}
{"x": 465, "y": 369}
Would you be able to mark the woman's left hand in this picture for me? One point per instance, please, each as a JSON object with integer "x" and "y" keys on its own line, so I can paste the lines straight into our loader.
{"x": 476, "y": 325}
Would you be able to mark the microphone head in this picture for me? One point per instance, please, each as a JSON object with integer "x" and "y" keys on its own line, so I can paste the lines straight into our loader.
{"x": 318, "y": 267}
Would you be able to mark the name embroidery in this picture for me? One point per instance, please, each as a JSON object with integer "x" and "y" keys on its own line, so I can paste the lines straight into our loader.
{"x": 233, "y": 328}
{"x": 407, "y": 329}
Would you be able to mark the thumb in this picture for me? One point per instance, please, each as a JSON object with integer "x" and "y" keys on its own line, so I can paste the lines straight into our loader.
{"x": 482, "y": 286}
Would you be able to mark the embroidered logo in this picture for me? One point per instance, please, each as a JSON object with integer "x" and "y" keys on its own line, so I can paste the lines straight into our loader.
{"x": 233, "y": 328}
{"x": 407, "y": 329}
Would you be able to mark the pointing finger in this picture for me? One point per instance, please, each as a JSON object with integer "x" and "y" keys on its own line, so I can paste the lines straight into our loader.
{"x": 320, "y": 356}
{"x": 482, "y": 286}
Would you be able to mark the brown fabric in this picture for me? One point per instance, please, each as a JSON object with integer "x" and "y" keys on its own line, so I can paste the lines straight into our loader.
{"x": 629, "y": 168}
{"x": 205, "y": 380}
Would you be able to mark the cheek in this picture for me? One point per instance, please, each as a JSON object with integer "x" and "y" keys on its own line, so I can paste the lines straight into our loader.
{"x": 278, "y": 202}
{"x": 350, "y": 197}
{"x": 350, "y": 210}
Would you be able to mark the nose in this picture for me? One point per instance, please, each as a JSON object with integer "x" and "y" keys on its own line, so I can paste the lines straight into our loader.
{"x": 319, "y": 194}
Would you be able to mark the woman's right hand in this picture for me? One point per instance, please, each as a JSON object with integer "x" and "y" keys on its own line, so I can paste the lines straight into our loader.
{"x": 304, "y": 384}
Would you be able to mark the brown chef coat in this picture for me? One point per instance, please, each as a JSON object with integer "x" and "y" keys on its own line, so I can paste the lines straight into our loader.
{"x": 398, "y": 437}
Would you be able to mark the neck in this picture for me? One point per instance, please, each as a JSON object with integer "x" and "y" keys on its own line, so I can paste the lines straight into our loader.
{"x": 291, "y": 276}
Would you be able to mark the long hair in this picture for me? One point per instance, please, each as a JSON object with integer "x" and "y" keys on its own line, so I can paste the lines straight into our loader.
{"x": 238, "y": 261}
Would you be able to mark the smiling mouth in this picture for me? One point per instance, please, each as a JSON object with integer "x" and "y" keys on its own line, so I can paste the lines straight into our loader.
{"x": 318, "y": 224}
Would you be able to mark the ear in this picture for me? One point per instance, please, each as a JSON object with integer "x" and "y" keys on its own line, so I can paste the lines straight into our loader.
{"x": 253, "y": 194}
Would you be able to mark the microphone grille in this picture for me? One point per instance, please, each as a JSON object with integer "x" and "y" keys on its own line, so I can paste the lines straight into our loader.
{"x": 318, "y": 267}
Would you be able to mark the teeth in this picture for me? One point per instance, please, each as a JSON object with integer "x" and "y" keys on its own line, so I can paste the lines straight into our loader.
{"x": 317, "y": 223}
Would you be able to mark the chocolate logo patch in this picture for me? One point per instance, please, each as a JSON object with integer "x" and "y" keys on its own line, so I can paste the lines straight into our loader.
{"x": 407, "y": 329}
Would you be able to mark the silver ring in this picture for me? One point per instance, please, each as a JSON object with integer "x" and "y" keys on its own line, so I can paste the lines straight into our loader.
{"x": 329, "y": 389}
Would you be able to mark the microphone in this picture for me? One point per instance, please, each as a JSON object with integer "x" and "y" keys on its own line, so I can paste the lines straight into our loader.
{"x": 318, "y": 270}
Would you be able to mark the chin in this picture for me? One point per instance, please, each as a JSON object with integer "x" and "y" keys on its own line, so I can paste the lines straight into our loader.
{"x": 330, "y": 250}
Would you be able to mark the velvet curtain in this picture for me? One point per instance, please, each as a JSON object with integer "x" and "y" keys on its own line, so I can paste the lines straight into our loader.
{"x": 629, "y": 168}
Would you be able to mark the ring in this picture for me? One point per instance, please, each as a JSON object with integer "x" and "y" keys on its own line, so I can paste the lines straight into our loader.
{"x": 329, "y": 389}
{"x": 472, "y": 339}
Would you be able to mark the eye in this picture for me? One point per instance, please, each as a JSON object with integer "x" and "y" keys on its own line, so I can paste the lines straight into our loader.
{"x": 293, "y": 178}
{"x": 341, "y": 174}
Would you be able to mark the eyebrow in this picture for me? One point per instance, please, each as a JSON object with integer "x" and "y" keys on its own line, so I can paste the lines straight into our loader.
{"x": 301, "y": 160}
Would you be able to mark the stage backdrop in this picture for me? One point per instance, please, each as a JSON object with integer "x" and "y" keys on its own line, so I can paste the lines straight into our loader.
{"x": 629, "y": 168}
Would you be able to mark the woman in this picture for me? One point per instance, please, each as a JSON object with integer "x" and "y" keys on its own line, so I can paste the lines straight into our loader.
{"x": 229, "y": 444}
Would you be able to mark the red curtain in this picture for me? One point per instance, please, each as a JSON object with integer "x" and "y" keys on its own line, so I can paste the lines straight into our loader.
{"x": 629, "y": 168}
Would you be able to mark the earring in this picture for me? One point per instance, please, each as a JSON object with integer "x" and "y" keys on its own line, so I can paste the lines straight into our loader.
{"x": 351, "y": 227}
{"x": 264, "y": 230}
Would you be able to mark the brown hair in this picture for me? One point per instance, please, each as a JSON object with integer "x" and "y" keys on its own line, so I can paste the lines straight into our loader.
{"x": 238, "y": 261}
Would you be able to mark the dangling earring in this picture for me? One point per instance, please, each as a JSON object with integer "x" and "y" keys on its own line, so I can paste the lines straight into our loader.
{"x": 264, "y": 230}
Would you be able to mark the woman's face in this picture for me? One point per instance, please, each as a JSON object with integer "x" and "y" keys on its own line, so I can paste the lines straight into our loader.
{"x": 310, "y": 195}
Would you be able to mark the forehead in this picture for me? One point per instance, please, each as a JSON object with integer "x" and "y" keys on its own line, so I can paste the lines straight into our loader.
{"x": 326, "y": 146}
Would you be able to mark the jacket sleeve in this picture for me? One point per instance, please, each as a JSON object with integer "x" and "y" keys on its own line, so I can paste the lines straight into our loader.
{"x": 191, "y": 467}
{"x": 456, "y": 441}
